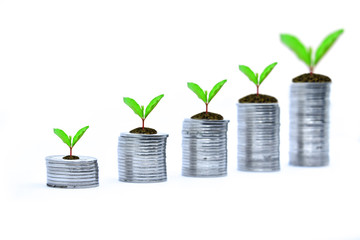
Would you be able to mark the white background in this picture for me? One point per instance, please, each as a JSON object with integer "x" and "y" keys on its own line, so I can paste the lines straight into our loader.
{"x": 68, "y": 64}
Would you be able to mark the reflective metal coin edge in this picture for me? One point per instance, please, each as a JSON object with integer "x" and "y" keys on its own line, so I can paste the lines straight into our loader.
{"x": 258, "y": 123}
{"x": 309, "y": 124}
{"x": 204, "y": 148}
{"x": 63, "y": 173}
{"x": 142, "y": 158}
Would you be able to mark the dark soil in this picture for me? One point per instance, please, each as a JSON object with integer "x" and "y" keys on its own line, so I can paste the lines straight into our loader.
{"x": 307, "y": 77}
{"x": 68, "y": 157}
{"x": 139, "y": 130}
{"x": 261, "y": 98}
{"x": 207, "y": 116}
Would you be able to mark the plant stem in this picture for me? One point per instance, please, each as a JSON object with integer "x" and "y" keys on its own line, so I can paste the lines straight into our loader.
{"x": 257, "y": 90}
{"x": 311, "y": 70}
{"x": 70, "y": 151}
{"x": 143, "y": 123}
{"x": 206, "y": 107}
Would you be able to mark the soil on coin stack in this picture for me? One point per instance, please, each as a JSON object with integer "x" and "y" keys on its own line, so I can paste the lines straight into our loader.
{"x": 207, "y": 116}
{"x": 307, "y": 77}
{"x": 68, "y": 157}
{"x": 139, "y": 130}
{"x": 261, "y": 98}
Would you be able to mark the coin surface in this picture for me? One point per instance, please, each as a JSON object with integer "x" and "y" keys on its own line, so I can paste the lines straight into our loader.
{"x": 79, "y": 173}
{"x": 142, "y": 157}
{"x": 258, "y": 137}
{"x": 309, "y": 124}
{"x": 204, "y": 148}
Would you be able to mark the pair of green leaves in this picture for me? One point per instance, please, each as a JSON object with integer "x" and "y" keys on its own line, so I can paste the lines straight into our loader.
{"x": 255, "y": 77}
{"x": 67, "y": 139}
{"x": 306, "y": 54}
{"x": 140, "y": 111}
{"x": 203, "y": 95}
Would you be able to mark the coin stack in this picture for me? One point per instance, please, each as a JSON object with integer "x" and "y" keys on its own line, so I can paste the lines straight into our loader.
{"x": 142, "y": 157}
{"x": 309, "y": 124}
{"x": 204, "y": 148}
{"x": 79, "y": 173}
{"x": 258, "y": 137}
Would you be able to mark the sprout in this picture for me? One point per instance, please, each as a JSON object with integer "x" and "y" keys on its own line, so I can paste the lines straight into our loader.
{"x": 203, "y": 95}
{"x": 140, "y": 111}
{"x": 306, "y": 55}
{"x": 255, "y": 77}
{"x": 67, "y": 139}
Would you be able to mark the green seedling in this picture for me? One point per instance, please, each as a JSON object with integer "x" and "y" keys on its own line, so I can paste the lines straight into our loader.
{"x": 141, "y": 111}
{"x": 306, "y": 55}
{"x": 255, "y": 77}
{"x": 203, "y": 95}
{"x": 68, "y": 139}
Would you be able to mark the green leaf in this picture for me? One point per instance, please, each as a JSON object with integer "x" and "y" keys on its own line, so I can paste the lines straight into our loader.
{"x": 249, "y": 73}
{"x": 197, "y": 90}
{"x": 63, "y": 136}
{"x": 216, "y": 89}
{"x": 311, "y": 58}
{"x": 153, "y": 104}
{"x": 266, "y": 72}
{"x": 134, "y": 106}
{"x": 326, "y": 44}
{"x": 78, "y": 135}
{"x": 297, "y": 47}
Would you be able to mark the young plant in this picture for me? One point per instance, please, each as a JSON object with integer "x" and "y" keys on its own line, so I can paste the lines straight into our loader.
{"x": 306, "y": 55}
{"x": 255, "y": 77}
{"x": 68, "y": 139}
{"x": 203, "y": 95}
{"x": 140, "y": 111}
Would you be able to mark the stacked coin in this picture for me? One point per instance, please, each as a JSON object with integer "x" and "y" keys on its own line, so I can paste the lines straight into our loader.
{"x": 204, "y": 148}
{"x": 258, "y": 137}
{"x": 80, "y": 173}
{"x": 309, "y": 124}
{"x": 142, "y": 157}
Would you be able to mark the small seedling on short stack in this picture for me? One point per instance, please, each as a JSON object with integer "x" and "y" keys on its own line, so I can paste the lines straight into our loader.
{"x": 255, "y": 77}
{"x": 203, "y": 95}
{"x": 141, "y": 111}
{"x": 68, "y": 140}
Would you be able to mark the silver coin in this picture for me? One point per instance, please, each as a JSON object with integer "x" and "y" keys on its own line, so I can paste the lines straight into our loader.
{"x": 78, "y": 173}
{"x": 258, "y": 137}
{"x": 142, "y": 157}
{"x": 204, "y": 148}
{"x": 309, "y": 124}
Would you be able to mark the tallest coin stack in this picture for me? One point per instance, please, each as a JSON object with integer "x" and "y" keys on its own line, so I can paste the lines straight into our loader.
{"x": 309, "y": 124}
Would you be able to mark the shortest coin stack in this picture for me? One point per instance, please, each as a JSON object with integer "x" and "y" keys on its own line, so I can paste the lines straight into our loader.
{"x": 80, "y": 173}
{"x": 258, "y": 137}
{"x": 142, "y": 158}
{"x": 204, "y": 148}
